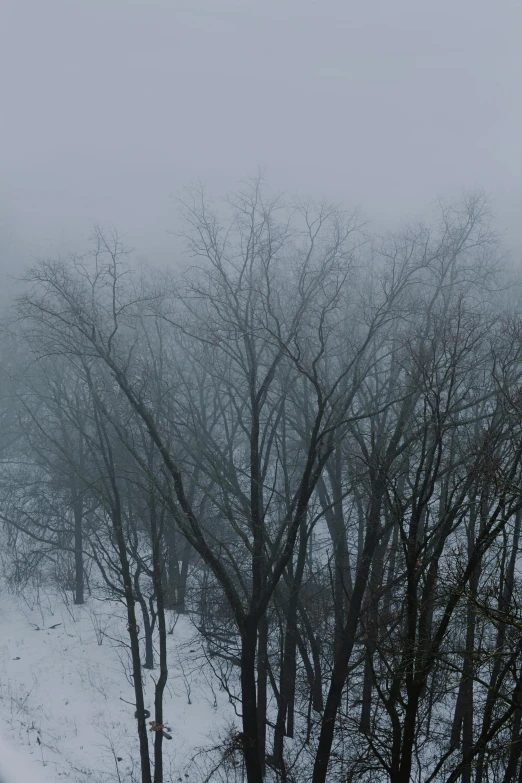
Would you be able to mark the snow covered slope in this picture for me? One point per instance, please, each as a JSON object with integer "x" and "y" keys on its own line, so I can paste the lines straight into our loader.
{"x": 66, "y": 701}
{"x": 14, "y": 767}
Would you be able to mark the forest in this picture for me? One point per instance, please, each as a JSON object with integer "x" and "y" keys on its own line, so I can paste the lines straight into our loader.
{"x": 309, "y": 442}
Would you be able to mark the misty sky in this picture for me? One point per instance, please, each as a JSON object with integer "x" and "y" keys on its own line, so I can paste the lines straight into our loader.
{"x": 110, "y": 106}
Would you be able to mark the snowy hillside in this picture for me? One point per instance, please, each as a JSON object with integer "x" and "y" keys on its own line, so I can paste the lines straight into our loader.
{"x": 66, "y": 700}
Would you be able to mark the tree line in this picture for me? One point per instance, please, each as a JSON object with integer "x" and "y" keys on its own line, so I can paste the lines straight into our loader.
{"x": 311, "y": 441}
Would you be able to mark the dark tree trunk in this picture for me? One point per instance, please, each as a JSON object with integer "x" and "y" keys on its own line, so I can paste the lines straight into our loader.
{"x": 174, "y": 577}
{"x": 135, "y": 648}
{"x": 365, "y": 721}
{"x": 285, "y": 711}
{"x": 463, "y": 720}
{"x": 342, "y": 658}
{"x": 132, "y": 625}
{"x": 372, "y": 629}
{"x": 313, "y": 672}
{"x": 149, "y": 641}
{"x": 78, "y": 550}
{"x": 515, "y": 750}
{"x": 504, "y": 602}
{"x": 250, "y": 734}
{"x": 157, "y": 568}
{"x": 262, "y": 674}
{"x": 333, "y": 511}
{"x": 148, "y": 626}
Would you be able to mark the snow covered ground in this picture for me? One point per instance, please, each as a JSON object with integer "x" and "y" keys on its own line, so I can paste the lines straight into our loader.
{"x": 63, "y": 694}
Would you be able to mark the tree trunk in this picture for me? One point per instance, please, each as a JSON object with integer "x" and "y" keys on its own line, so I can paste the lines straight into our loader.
{"x": 342, "y": 658}
{"x": 148, "y": 630}
{"x": 170, "y": 574}
{"x": 284, "y": 721}
{"x": 250, "y": 735}
{"x": 366, "y": 707}
{"x": 504, "y": 602}
{"x": 132, "y": 627}
{"x": 313, "y": 672}
{"x": 262, "y": 674}
{"x": 78, "y": 549}
{"x": 162, "y": 632}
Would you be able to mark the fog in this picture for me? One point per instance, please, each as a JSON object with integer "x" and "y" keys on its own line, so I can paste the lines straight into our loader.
{"x": 260, "y": 522}
{"x": 110, "y": 107}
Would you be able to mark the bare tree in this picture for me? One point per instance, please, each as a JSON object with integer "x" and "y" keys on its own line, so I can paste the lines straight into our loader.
{"x": 327, "y": 428}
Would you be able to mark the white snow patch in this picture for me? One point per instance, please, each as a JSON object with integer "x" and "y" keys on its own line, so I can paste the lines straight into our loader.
{"x": 61, "y": 694}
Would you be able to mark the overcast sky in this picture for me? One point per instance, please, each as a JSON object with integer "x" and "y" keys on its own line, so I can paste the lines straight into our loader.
{"x": 108, "y": 107}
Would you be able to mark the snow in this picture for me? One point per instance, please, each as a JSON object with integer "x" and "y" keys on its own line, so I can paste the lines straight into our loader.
{"x": 14, "y": 768}
{"x": 66, "y": 701}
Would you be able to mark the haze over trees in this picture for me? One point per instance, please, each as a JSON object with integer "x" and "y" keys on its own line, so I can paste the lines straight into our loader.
{"x": 310, "y": 441}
